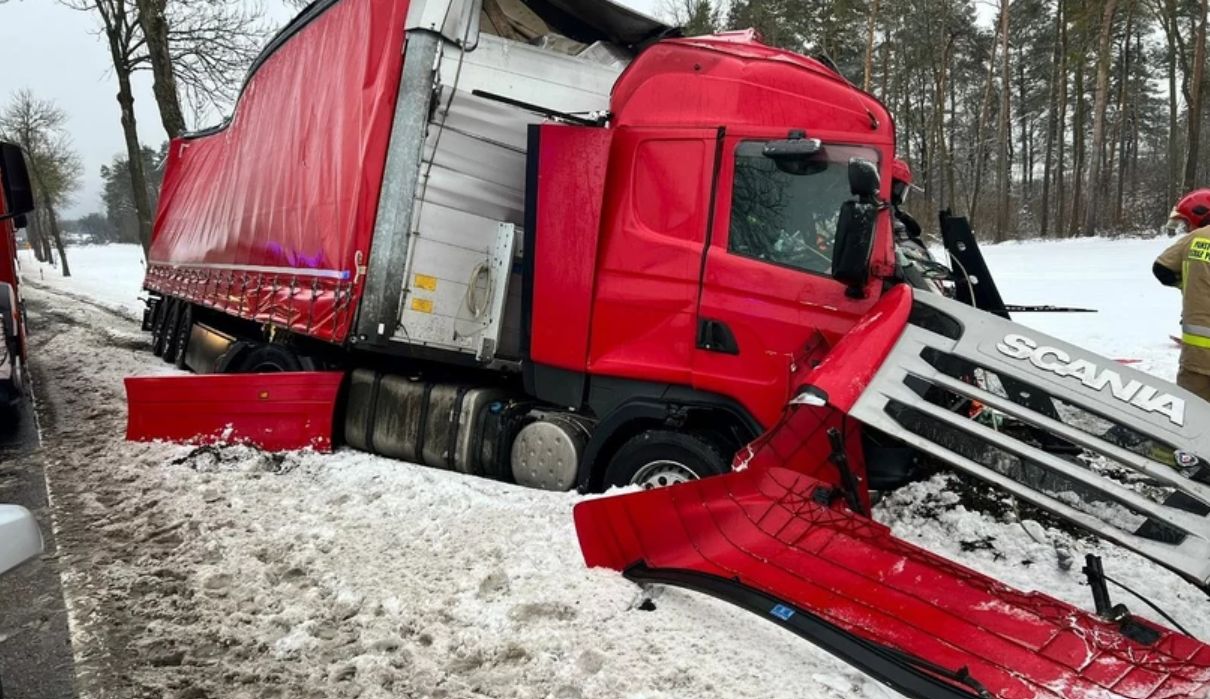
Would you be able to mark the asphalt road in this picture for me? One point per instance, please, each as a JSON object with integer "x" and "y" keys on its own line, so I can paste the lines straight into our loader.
{"x": 35, "y": 646}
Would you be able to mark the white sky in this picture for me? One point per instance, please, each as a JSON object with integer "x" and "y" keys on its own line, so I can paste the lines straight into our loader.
{"x": 56, "y": 52}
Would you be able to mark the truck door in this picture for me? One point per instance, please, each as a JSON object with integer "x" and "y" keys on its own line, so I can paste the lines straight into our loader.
{"x": 766, "y": 295}
{"x": 649, "y": 262}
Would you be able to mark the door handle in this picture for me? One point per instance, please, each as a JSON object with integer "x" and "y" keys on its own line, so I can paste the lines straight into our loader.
{"x": 715, "y": 336}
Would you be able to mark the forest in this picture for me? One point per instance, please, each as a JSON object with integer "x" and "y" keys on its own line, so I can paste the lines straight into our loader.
{"x": 1035, "y": 118}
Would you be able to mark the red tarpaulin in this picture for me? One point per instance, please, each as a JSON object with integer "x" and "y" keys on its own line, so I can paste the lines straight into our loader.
{"x": 270, "y": 217}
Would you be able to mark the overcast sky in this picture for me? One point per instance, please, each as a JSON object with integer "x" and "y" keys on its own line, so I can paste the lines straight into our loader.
{"x": 56, "y": 52}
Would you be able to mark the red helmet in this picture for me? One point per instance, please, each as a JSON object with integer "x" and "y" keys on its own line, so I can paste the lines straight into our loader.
{"x": 900, "y": 172}
{"x": 901, "y": 181}
{"x": 1192, "y": 211}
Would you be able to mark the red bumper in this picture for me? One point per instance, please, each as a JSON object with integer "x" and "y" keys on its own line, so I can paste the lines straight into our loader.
{"x": 276, "y": 412}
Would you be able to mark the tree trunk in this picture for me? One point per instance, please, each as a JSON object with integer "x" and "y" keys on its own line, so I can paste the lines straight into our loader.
{"x": 138, "y": 178}
{"x": 1003, "y": 135}
{"x": 1195, "y": 99}
{"x": 1096, "y": 171}
{"x": 1168, "y": 21}
{"x": 1052, "y": 122}
{"x": 52, "y": 218}
{"x": 980, "y": 148}
{"x": 155, "y": 33}
{"x": 1061, "y": 126}
{"x": 869, "y": 45}
{"x": 1077, "y": 148}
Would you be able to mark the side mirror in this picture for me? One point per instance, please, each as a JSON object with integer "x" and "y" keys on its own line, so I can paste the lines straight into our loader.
{"x": 20, "y": 539}
{"x": 14, "y": 179}
{"x": 864, "y": 181}
{"x": 796, "y": 155}
{"x": 853, "y": 246}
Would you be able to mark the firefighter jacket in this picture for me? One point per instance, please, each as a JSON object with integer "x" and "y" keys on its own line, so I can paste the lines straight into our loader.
{"x": 1187, "y": 264}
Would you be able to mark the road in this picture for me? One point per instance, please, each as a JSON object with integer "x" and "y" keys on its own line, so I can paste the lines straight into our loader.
{"x": 35, "y": 647}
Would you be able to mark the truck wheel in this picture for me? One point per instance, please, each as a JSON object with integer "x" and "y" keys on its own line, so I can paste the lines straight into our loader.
{"x": 169, "y": 331}
{"x": 657, "y": 458}
{"x": 183, "y": 331}
{"x": 267, "y": 358}
{"x": 162, "y": 312}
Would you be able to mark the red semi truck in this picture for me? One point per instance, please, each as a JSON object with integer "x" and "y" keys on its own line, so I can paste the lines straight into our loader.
{"x": 16, "y": 200}
{"x": 553, "y": 243}
{"x": 531, "y": 228}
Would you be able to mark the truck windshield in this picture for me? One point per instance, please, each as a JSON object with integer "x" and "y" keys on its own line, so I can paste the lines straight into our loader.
{"x": 790, "y": 218}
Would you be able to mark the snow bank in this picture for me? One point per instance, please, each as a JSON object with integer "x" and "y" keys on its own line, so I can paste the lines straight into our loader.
{"x": 1135, "y": 315}
{"x": 110, "y": 275}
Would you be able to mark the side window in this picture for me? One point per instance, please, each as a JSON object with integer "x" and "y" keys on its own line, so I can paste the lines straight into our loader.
{"x": 787, "y": 216}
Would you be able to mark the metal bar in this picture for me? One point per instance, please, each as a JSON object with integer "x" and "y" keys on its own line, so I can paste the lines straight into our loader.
{"x": 384, "y": 286}
{"x": 1178, "y": 519}
{"x": 1136, "y": 462}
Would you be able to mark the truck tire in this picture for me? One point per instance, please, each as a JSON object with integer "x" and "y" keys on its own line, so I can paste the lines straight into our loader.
{"x": 268, "y": 358}
{"x": 162, "y": 311}
{"x": 183, "y": 331}
{"x": 656, "y": 458}
{"x": 170, "y": 331}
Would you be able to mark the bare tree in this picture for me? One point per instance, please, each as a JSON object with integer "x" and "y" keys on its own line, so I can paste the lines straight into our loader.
{"x": 202, "y": 49}
{"x": 38, "y": 126}
{"x": 119, "y": 24}
{"x": 871, "y": 21}
{"x": 1003, "y": 136}
{"x": 1196, "y": 96}
{"x": 1096, "y": 170}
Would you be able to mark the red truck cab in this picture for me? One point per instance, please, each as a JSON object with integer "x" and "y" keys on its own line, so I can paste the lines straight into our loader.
{"x": 16, "y": 200}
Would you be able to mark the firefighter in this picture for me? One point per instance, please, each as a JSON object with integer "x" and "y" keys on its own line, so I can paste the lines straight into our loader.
{"x": 1186, "y": 265}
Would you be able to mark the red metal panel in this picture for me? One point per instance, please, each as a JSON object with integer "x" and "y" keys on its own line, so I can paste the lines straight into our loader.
{"x": 572, "y": 166}
{"x": 276, "y": 412}
{"x": 765, "y": 528}
{"x": 649, "y": 264}
{"x": 271, "y": 217}
{"x": 846, "y": 371}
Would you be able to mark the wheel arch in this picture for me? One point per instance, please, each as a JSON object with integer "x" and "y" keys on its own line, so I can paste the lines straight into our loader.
{"x": 718, "y": 416}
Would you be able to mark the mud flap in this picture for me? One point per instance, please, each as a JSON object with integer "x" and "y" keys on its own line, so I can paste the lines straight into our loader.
{"x": 276, "y": 411}
{"x": 783, "y": 545}
{"x": 1124, "y": 455}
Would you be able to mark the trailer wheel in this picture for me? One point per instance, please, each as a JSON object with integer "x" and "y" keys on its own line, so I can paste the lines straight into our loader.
{"x": 657, "y": 458}
{"x": 267, "y": 358}
{"x": 169, "y": 331}
{"x": 183, "y": 330}
{"x": 162, "y": 311}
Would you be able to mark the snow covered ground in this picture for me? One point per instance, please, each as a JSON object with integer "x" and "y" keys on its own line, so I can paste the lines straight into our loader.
{"x": 109, "y": 275}
{"x": 230, "y": 573}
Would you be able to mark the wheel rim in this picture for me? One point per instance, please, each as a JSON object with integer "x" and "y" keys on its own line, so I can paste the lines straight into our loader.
{"x": 664, "y": 472}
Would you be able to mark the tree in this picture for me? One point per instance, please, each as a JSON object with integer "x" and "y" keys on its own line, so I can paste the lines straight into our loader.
{"x": 39, "y": 127}
{"x": 1097, "y": 170}
{"x": 1192, "y": 156}
{"x": 97, "y": 228}
{"x": 119, "y": 23}
{"x": 695, "y": 17}
{"x": 118, "y": 198}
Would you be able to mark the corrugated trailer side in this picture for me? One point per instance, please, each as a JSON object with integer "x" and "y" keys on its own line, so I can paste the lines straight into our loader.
{"x": 270, "y": 216}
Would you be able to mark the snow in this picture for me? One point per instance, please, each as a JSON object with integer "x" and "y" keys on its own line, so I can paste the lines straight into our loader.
{"x": 231, "y": 573}
{"x": 108, "y": 275}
